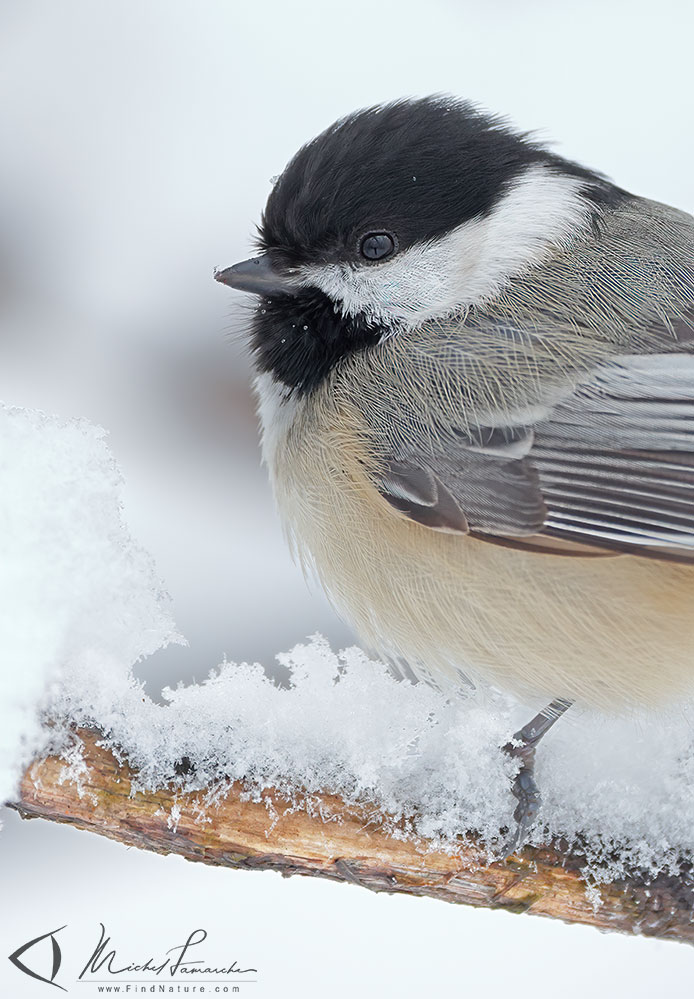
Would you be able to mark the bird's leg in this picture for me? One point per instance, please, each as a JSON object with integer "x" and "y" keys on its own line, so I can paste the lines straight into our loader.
{"x": 522, "y": 747}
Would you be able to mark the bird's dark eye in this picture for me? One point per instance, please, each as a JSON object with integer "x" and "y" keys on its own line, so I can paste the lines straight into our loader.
{"x": 377, "y": 245}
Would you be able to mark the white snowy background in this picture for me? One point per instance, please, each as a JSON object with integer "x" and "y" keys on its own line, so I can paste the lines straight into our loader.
{"x": 138, "y": 143}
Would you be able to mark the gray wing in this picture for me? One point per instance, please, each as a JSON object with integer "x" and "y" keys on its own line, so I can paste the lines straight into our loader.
{"x": 608, "y": 468}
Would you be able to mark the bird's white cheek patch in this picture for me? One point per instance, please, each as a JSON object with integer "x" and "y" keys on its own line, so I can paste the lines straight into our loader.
{"x": 542, "y": 210}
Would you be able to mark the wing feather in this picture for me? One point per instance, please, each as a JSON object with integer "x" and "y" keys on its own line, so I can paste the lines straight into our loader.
{"x": 609, "y": 467}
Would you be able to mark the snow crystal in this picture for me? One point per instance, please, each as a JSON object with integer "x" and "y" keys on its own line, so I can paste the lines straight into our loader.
{"x": 81, "y": 604}
{"x": 346, "y": 725}
{"x": 72, "y": 582}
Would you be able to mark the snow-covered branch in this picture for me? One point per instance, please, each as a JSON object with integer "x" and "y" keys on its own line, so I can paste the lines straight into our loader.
{"x": 324, "y": 836}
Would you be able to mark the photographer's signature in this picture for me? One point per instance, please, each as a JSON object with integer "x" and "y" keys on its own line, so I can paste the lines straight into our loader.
{"x": 180, "y": 961}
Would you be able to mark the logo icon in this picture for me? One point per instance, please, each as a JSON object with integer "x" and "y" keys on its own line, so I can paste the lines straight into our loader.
{"x": 57, "y": 958}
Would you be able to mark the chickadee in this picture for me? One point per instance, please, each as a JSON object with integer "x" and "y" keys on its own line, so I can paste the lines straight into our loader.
{"x": 476, "y": 379}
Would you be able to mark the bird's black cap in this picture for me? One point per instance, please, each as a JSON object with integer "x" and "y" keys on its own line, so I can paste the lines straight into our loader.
{"x": 416, "y": 168}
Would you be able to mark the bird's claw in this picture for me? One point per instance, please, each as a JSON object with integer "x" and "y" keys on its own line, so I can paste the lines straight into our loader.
{"x": 526, "y": 791}
{"x": 522, "y": 747}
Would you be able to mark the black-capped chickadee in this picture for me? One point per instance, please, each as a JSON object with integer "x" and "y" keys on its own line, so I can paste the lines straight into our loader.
{"x": 476, "y": 379}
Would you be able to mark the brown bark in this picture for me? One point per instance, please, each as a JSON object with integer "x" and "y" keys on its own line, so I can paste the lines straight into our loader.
{"x": 270, "y": 834}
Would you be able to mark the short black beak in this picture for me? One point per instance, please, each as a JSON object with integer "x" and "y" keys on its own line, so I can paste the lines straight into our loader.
{"x": 258, "y": 277}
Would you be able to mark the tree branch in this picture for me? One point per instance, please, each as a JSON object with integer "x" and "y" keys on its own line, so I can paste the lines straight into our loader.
{"x": 341, "y": 842}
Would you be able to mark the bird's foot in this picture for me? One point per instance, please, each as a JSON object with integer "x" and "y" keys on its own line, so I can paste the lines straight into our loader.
{"x": 522, "y": 747}
{"x": 527, "y": 793}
